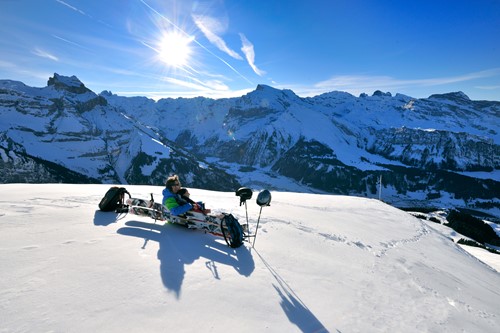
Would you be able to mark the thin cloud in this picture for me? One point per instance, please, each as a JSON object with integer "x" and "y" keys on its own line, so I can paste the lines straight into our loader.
{"x": 83, "y": 13}
{"x": 6, "y": 64}
{"x": 196, "y": 42}
{"x": 212, "y": 85}
{"x": 70, "y": 42}
{"x": 487, "y": 87}
{"x": 363, "y": 83}
{"x": 71, "y": 7}
{"x": 157, "y": 95}
{"x": 210, "y": 27}
{"x": 249, "y": 52}
{"x": 44, "y": 54}
{"x": 194, "y": 88}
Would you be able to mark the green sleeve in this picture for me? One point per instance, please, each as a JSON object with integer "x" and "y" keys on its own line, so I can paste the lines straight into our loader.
{"x": 171, "y": 203}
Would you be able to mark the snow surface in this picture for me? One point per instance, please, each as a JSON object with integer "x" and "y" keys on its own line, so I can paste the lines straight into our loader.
{"x": 321, "y": 263}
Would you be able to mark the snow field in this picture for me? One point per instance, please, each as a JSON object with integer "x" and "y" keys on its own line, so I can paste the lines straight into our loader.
{"x": 321, "y": 263}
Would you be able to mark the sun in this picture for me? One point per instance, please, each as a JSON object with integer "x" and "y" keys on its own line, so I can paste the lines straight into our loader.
{"x": 175, "y": 49}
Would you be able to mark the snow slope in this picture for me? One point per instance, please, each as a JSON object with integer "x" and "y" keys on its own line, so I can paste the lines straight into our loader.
{"x": 321, "y": 263}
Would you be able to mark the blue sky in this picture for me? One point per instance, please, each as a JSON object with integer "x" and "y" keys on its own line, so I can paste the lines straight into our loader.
{"x": 222, "y": 48}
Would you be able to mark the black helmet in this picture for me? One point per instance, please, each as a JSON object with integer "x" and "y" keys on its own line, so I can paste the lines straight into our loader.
{"x": 264, "y": 198}
{"x": 244, "y": 193}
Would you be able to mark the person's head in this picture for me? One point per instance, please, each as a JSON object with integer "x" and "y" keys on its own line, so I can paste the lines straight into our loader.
{"x": 173, "y": 184}
{"x": 184, "y": 192}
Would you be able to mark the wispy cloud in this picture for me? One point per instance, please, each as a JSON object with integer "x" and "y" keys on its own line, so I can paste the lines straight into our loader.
{"x": 211, "y": 27}
{"x": 196, "y": 41}
{"x": 198, "y": 84}
{"x": 488, "y": 87}
{"x": 157, "y": 95}
{"x": 82, "y": 12}
{"x": 185, "y": 88}
{"x": 249, "y": 52}
{"x": 70, "y": 42}
{"x": 72, "y": 7}
{"x": 364, "y": 83}
{"x": 6, "y": 64}
{"x": 44, "y": 54}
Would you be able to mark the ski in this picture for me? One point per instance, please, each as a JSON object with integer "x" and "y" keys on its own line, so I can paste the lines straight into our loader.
{"x": 222, "y": 225}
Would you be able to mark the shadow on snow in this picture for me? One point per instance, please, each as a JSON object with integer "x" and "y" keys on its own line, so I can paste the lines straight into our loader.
{"x": 103, "y": 219}
{"x": 175, "y": 252}
{"x": 296, "y": 311}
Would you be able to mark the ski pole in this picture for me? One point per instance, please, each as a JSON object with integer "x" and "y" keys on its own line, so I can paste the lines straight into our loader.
{"x": 248, "y": 224}
{"x": 152, "y": 203}
{"x": 257, "y": 228}
{"x": 246, "y": 211}
{"x": 263, "y": 199}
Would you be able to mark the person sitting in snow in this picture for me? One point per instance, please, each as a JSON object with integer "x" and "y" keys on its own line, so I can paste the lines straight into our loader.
{"x": 177, "y": 200}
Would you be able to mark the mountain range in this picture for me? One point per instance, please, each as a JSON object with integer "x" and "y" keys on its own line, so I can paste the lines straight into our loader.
{"x": 439, "y": 151}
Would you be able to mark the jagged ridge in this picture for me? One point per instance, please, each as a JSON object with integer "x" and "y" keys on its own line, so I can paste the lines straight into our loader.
{"x": 334, "y": 142}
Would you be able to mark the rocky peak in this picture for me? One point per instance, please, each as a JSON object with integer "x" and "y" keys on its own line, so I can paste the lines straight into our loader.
{"x": 457, "y": 96}
{"x": 269, "y": 97}
{"x": 381, "y": 94}
{"x": 68, "y": 83}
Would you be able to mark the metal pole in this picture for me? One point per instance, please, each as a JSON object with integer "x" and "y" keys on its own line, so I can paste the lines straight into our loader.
{"x": 146, "y": 240}
{"x": 257, "y": 228}
{"x": 248, "y": 224}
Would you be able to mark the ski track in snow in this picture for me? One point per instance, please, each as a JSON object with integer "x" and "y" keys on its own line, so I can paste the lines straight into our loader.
{"x": 386, "y": 246}
{"x": 393, "y": 275}
{"x": 325, "y": 268}
{"x": 378, "y": 250}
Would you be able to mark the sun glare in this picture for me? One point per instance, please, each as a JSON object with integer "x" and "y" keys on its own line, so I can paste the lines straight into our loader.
{"x": 174, "y": 49}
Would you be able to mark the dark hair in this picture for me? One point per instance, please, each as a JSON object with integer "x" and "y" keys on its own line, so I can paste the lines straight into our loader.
{"x": 183, "y": 192}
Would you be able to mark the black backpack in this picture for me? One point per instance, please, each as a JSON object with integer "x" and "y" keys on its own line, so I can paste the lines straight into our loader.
{"x": 232, "y": 231}
{"x": 113, "y": 199}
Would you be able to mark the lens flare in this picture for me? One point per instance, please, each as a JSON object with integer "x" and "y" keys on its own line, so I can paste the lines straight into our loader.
{"x": 174, "y": 49}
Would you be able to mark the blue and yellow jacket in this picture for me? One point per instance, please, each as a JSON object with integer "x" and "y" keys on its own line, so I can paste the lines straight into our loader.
{"x": 175, "y": 204}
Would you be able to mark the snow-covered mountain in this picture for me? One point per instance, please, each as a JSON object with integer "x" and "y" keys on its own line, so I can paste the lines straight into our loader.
{"x": 67, "y": 124}
{"x": 442, "y": 150}
{"x": 321, "y": 263}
